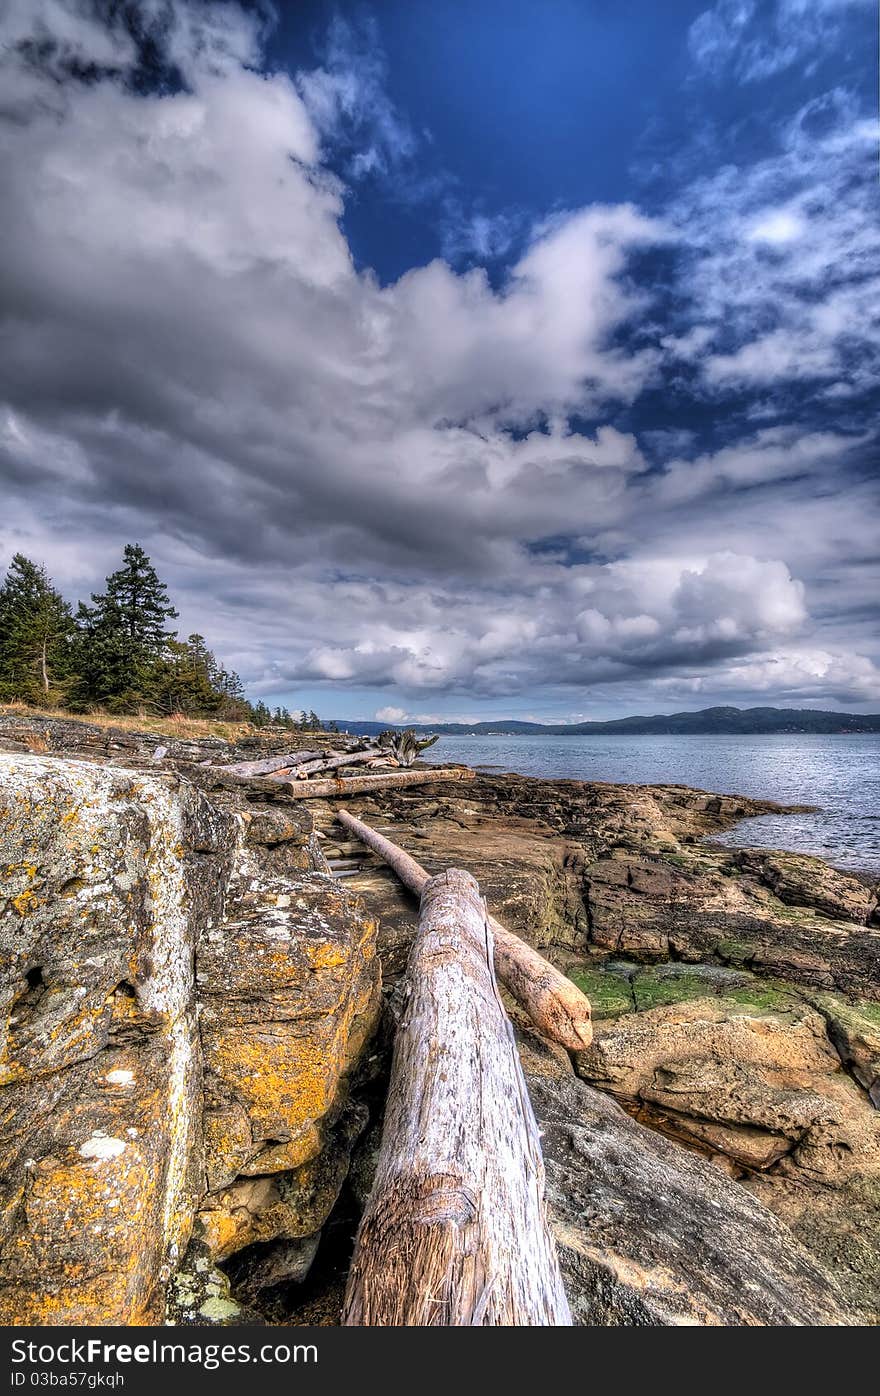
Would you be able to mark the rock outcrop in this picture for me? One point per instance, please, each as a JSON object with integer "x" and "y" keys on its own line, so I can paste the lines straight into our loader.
{"x": 192, "y": 1088}
{"x": 735, "y": 1007}
{"x": 180, "y": 1024}
{"x": 650, "y": 1234}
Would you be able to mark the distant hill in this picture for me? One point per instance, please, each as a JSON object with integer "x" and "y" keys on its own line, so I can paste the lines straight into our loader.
{"x": 746, "y": 721}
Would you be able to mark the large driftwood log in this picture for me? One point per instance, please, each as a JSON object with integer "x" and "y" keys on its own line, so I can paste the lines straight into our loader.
{"x": 335, "y": 760}
{"x": 361, "y": 785}
{"x": 552, "y": 1001}
{"x": 455, "y": 1232}
{"x": 268, "y": 764}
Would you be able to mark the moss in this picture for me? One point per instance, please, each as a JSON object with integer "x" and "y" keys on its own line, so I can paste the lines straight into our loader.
{"x": 653, "y": 990}
{"x": 736, "y": 951}
{"x": 761, "y": 995}
{"x": 609, "y": 994}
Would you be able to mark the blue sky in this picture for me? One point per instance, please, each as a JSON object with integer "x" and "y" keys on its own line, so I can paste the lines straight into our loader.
{"x": 456, "y": 359}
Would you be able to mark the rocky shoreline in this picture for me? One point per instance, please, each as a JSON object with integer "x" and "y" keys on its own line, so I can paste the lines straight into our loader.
{"x": 714, "y": 1157}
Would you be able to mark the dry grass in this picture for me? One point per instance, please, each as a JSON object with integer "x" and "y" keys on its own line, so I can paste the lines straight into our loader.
{"x": 174, "y": 726}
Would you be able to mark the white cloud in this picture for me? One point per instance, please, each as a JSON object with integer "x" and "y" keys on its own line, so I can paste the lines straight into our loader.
{"x": 391, "y": 714}
{"x": 347, "y": 100}
{"x": 781, "y": 258}
{"x": 776, "y": 226}
{"x": 347, "y": 484}
{"x": 756, "y": 39}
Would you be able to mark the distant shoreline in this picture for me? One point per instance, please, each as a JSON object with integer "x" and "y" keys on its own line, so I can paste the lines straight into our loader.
{"x": 730, "y": 722}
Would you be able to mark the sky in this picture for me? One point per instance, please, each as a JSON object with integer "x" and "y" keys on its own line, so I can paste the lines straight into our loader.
{"x": 455, "y": 359}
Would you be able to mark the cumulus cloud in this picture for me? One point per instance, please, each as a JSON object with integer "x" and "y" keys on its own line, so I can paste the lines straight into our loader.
{"x": 419, "y": 487}
{"x": 391, "y": 714}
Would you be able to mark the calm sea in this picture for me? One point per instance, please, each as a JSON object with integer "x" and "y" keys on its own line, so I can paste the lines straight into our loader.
{"x": 840, "y": 774}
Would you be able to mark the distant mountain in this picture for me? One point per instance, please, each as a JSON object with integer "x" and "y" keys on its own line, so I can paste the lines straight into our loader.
{"x": 746, "y": 721}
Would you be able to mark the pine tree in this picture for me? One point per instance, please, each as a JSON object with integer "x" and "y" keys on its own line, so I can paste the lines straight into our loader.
{"x": 122, "y": 637}
{"x": 36, "y": 627}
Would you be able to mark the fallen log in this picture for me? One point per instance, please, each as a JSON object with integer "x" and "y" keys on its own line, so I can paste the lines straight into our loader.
{"x": 552, "y": 1001}
{"x": 268, "y": 764}
{"x": 331, "y": 763}
{"x": 361, "y": 785}
{"x": 455, "y": 1232}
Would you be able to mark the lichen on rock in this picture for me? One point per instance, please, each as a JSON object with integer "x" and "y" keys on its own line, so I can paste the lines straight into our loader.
{"x": 151, "y": 968}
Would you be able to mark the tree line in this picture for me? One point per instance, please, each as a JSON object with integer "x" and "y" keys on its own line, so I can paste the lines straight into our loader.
{"x": 116, "y": 653}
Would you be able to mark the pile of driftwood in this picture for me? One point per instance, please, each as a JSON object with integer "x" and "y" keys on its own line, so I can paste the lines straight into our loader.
{"x": 304, "y": 775}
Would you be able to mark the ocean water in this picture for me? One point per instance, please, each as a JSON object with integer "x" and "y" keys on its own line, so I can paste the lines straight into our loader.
{"x": 840, "y": 774}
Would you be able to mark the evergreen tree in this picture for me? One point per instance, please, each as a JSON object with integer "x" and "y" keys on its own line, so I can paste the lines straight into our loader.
{"x": 123, "y": 642}
{"x": 36, "y": 627}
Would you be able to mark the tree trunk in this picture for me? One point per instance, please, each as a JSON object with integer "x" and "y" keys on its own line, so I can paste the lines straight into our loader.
{"x": 556, "y": 1005}
{"x": 44, "y": 666}
{"x": 334, "y": 787}
{"x": 455, "y": 1232}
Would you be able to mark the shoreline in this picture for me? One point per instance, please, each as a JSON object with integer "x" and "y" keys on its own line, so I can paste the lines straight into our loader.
{"x": 735, "y": 996}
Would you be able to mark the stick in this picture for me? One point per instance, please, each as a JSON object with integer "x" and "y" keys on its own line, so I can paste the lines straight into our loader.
{"x": 552, "y": 1001}
{"x": 455, "y": 1232}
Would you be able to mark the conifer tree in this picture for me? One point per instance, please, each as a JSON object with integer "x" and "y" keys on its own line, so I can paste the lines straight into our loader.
{"x": 36, "y": 627}
{"x": 122, "y": 638}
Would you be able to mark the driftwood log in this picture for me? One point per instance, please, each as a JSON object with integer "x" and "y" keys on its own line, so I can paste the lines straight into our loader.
{"x": 361, "y": 785}
{"x": 556, "y": 1005}
{"x": 268, "y": 764}
{"x": 455, "y": 1232}
{"x": 337, "y": 759}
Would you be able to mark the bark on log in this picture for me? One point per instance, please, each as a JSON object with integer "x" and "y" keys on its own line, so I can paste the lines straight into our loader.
{"x": 455, "y": 1232}
{"x": 555, "y": 1005}
{"x": 268, "y": 764}
{"x": 358, "y": 785}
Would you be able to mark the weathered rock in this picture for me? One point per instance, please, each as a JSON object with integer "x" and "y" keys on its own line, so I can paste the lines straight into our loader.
{"x": 650, "y": 1234}
{"x": 118, "y": 882}
{"x": 765, "y": 1088}
{"x": 770, "y": 1076}
{"x": 200, "y": 1293}
{"x": 288, "y": 989}
{"x": 801, "y": 881}
{"x": 289, "y": 1204}
{"x": 650, "y": 909}
{"x": 854, "y": 1028}
{"x": 110, "y": 875}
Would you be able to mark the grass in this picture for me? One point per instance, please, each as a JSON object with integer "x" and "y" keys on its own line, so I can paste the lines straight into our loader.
{"x": 175, "y": 726}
